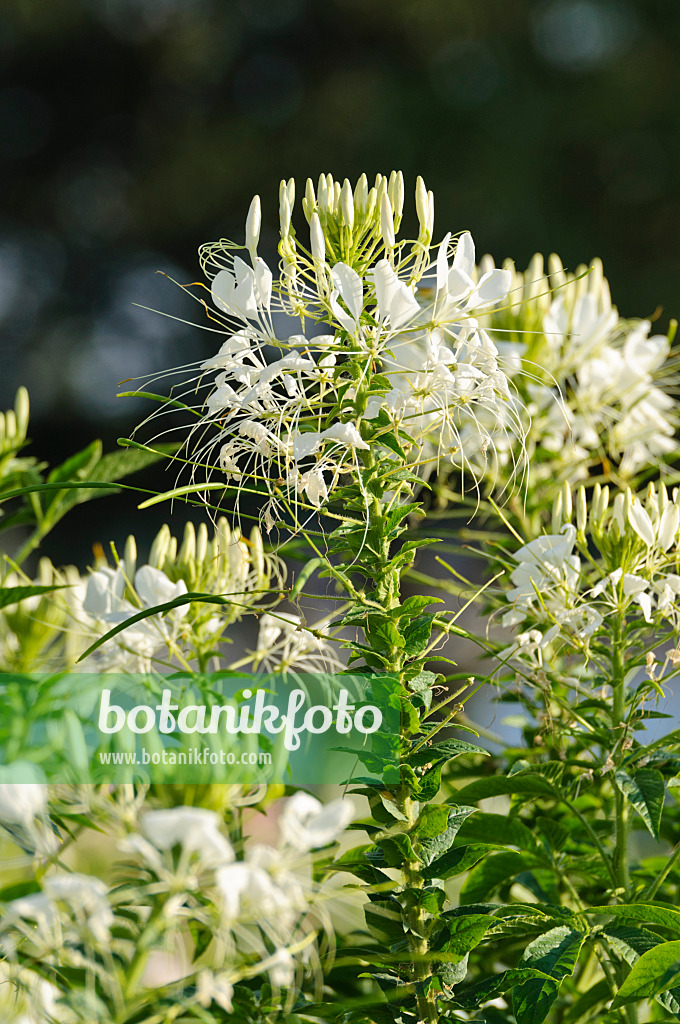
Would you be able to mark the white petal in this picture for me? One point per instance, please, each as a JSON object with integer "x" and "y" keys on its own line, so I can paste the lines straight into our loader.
{"x": 668, "y": 527}
{"x": 464, "y": 258}
{"x": 347, "y": 433}
{"x": 641, "y": 523}
{"x": 493, "y": 286}
{"x": 442, "y": 265}
{"x": 395, "y": 300}
{"x": 350, "y": 287}
{"x": 154, "y": 587}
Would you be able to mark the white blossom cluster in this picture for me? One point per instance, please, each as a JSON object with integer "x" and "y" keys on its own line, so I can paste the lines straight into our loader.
{"x": 53, "y": 631}
{"x": 592, "y": 387}
{"x": 289, "y": 415}
{"x": 262, "y": 910}
{"x": 622, "y": 557}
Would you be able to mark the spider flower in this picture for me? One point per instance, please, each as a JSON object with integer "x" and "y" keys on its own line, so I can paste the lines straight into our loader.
{"x": 362, "y": 342}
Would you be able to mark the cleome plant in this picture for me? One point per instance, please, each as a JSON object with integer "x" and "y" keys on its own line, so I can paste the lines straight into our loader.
{"x": 374, "y": 397}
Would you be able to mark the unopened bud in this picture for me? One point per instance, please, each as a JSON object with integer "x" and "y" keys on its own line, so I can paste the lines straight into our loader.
{"x": 10, "y": 424}
{"x": 159, "y": 547}
{"x": 386, "y": 221}
{"x": 317, "y": 240}
{"x": 253, "y": 224}
{"x": 284, "y": 215}
{"x": 566, "y": 502}
{"x": 421, "y": 204}
{"x": 395, "y": 191}
{"x": 557, "y": 513}
{"x": 187, "y": 553}
{"x": 130, "y": 557}
{"x": 347, "y": 204}
{"x": 201, "y": 543}
{"x": 581, "y": 510}
{"x": 361, "y": 194}
{"x": 22, "y": 408}
{"x": 322, "y": 193}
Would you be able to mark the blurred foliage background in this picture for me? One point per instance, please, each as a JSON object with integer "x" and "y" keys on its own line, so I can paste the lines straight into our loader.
{"x": 133, "y": 130}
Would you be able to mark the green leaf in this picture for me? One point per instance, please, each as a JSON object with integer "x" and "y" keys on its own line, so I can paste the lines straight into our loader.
{"x": 395, "y": 516}
{"x": 157, "y": 609}
{"x": 484, "y": 828}
{"x": 461, "y": 935}
{"x": 415, "y": 604}
{"x": 460, "y": 859}
{"x": 523, "y": 784}
{"x": 645, "y": 791}
{"x": 444, "y": 751}
{"x": 656, "y": 971}
{"x": 666, "y": 916}
{"x": 490, "y": 874}
{"x": 440, "y": 843}
{"x": 555, "y": 953}
{"x": 432, "y": 821}
{"x": 417, "y": 635}
{"x": 13, "y": 595}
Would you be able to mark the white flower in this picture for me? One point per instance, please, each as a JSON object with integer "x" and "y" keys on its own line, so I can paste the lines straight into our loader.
{"x": 281, "y": 969}
{"x": 306, "y": 824}
{"x": 87, "y": 897}
{"x": 250, "y": 894}
{"x": 217, "y": 988}
{"x": 195, "y": 829}
{"x": 21, "y": 802}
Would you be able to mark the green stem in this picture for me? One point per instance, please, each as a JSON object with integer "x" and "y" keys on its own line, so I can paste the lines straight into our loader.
{"x": 621, "y": 808}
{"x": 618, "y": 722}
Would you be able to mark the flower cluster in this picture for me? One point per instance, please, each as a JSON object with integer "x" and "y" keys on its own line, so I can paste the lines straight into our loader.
{"x": 620, "y": 558}
{"x": 591, "y": 387}
{"x": 181, "y": 880}
{"x": 386, "y": 350}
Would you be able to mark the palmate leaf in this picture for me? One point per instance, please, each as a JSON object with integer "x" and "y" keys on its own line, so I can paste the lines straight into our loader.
{"x": 555, "y": 953}
{"x": 655, "y": 972}
{"x": 644, "y": 789}
{"x": 631, "y": 944}
{"x": 652, "y": 913}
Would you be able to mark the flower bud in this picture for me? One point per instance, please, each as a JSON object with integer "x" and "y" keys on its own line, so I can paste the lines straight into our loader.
{"x": 386, "y": 221}
{"x": 322, "y": 194}
{"x": 317, "y": 240}
{"x": 253, "y": 224}
{"x": 361, "y": 194}
{"x": 581, "y": 510}
{"x": 10, "y": 424}
{"x": 159, "y": 547}
{"x": 201, "y": 544}
{"x": 618, "y": 514}
{"x": 557, "y": 513}
{"x": 3, "y": 431}
{"x": 422, "y": 204}
{"x": 22, "y": 408}
{"x": 395, "y": 191}
{"x": 187, "y": 553}
{"x": 130, "y": 557}
{"x": 347, "y": 204}
{"x": 566, "y": 502}
{"x": 284, "y": 215}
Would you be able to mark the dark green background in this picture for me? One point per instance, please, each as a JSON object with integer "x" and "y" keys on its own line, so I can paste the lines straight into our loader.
{"x": 133, "y": 130}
